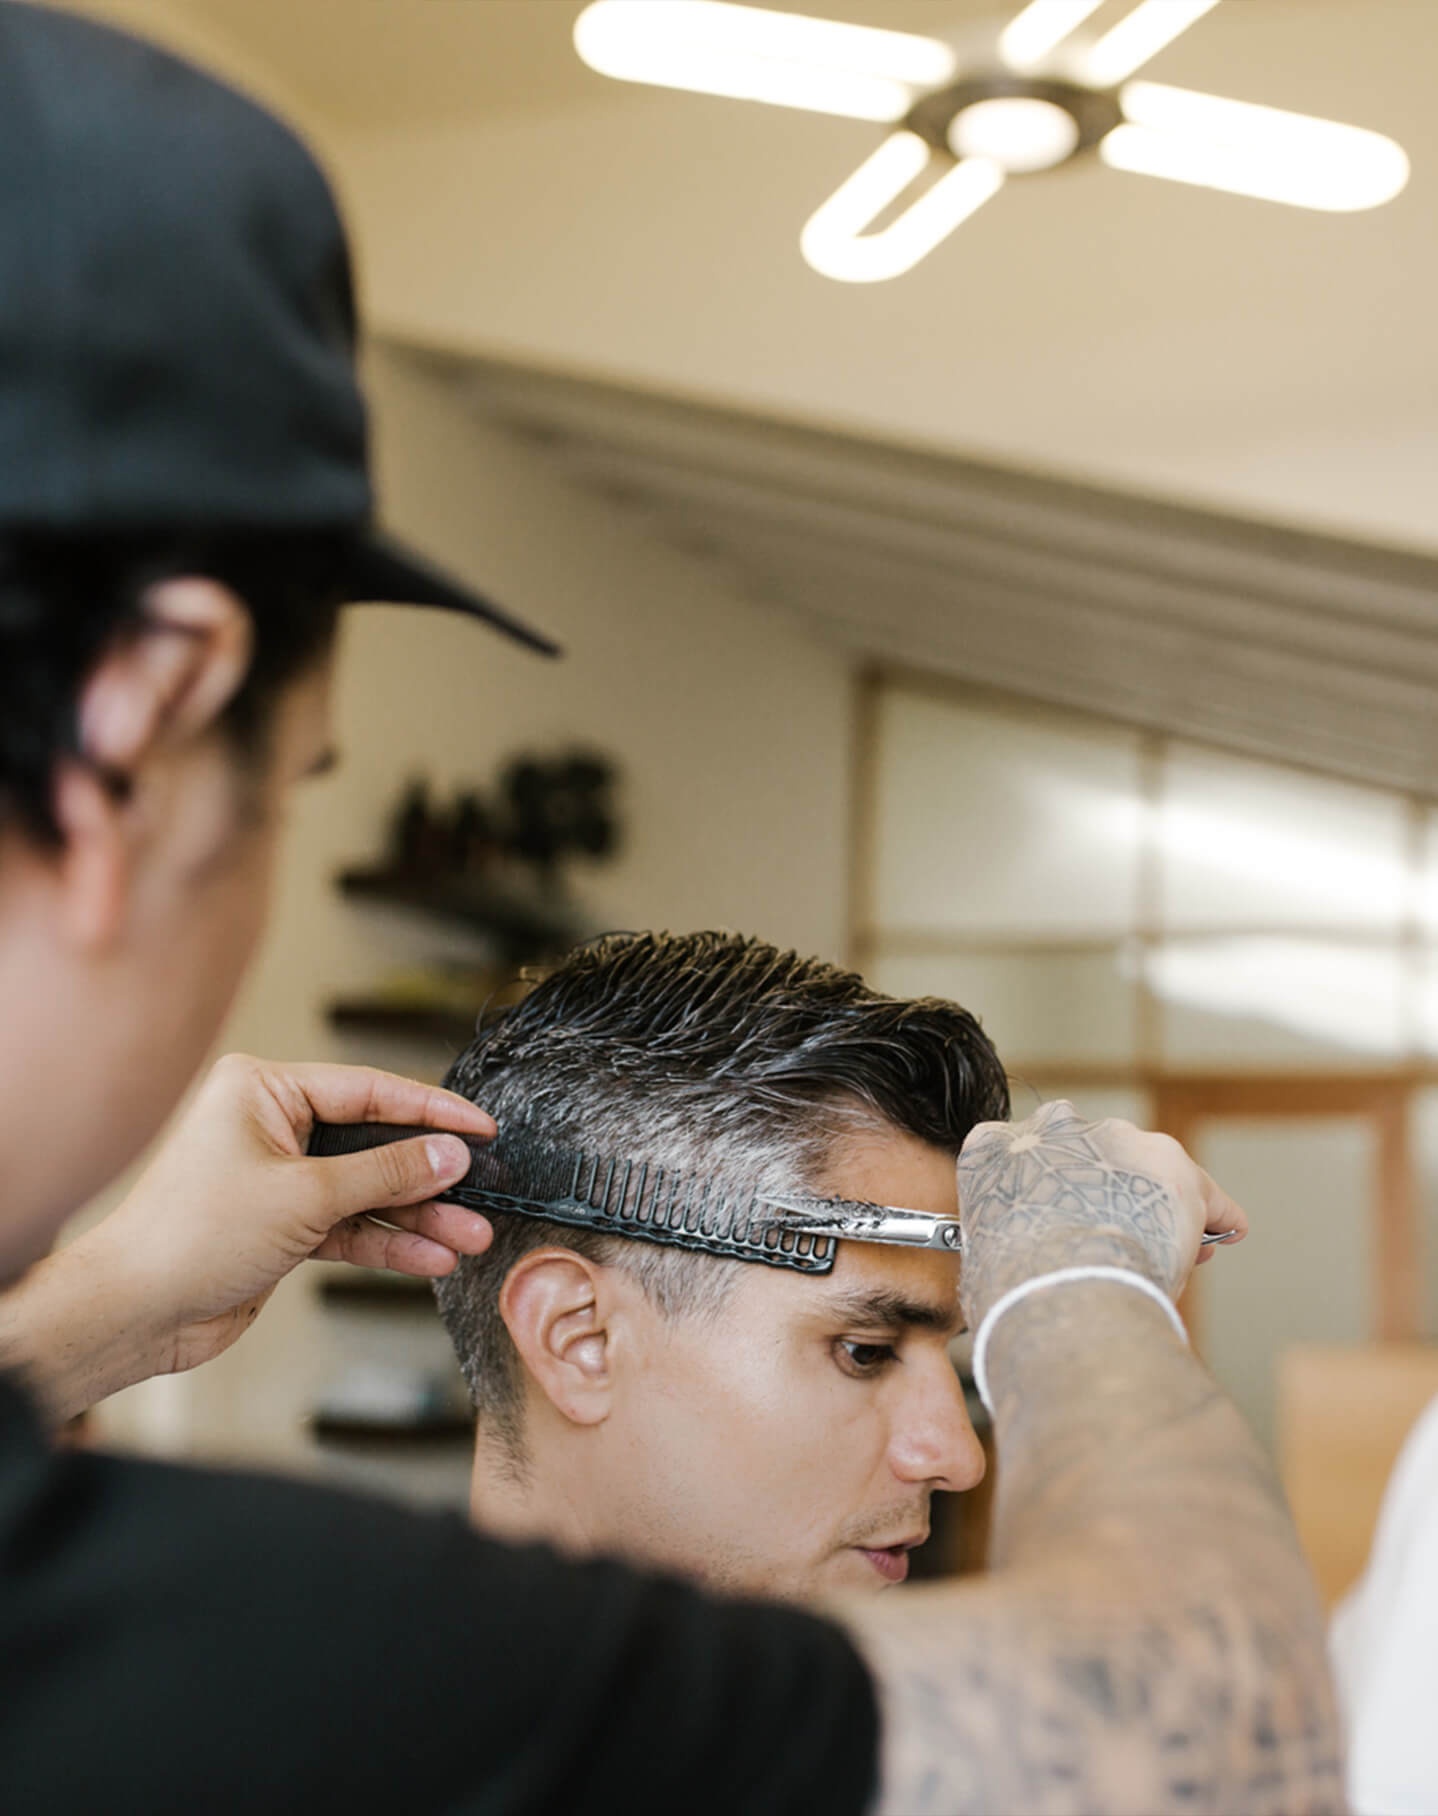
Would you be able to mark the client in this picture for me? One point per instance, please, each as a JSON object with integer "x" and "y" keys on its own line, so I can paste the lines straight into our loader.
{"x": 760, "y": 1429}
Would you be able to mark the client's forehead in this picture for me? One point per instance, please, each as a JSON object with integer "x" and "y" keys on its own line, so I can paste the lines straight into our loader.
{"x": 878, "y": 1283}
{"x": 890, "y": 1166}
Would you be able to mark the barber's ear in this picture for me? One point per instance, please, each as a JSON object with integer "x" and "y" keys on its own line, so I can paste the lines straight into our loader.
{"x": 556, "y": 1306}
{"x": 164, "y": 685}
{"x": 169, "y": 680}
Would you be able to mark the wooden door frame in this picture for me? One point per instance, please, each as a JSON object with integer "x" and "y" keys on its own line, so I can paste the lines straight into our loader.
{"x": 1181, "y": 1104}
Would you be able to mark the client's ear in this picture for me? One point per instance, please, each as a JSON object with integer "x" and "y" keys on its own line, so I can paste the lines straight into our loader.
{"x": 556, "y": 1305}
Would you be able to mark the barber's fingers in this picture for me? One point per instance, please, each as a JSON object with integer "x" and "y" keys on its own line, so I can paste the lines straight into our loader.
{"x": 327, "y": 1093}
{"x": 427, "y": 1239}
{"x": 385, "y": 1178}
{"x": 1048, "y": 1119}
{"x": 1222, "y": 1215}
{"x": 462, "y": 1232}
{"x": 364, "y": 1243}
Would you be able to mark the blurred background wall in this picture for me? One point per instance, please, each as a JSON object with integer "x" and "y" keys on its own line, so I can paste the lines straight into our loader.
{"x": 1052, "y": 627}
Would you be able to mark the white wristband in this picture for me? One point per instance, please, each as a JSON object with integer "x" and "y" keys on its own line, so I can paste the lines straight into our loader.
{"x": 1061, "y": 1276}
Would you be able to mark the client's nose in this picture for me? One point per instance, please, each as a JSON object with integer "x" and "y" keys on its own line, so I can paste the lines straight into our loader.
{"x": 934, "y": 1442}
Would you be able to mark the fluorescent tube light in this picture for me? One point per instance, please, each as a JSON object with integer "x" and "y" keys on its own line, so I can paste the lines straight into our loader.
{"x": 1245, "y": 149}
{"x": 834, "y": 242}
{"x": 1143, "y": 34}
{"x": 749, "y": 54}
{"x": 1043, "y": 24}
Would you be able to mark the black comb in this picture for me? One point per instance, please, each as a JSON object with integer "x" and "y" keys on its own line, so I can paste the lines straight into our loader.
{"x": 594, "y": 1192}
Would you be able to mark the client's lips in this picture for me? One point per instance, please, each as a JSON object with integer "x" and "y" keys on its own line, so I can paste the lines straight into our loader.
{"x": 891, "y": 1561}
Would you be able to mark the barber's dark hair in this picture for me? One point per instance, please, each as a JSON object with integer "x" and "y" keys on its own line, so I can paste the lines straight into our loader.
{"x": 704, "y": 1052}
{"x": 65, "y": 600}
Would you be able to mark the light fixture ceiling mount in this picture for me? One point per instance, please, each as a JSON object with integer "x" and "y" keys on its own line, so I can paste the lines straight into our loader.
{"x": 966, "y": 116}
{"x": 1026, "y": 124}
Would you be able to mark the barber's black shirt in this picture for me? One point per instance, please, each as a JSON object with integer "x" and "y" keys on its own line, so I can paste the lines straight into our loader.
{"x": 179, "y": 1641}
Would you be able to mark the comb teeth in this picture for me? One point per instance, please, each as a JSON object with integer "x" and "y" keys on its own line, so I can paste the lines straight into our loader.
{"x": 645, "y": 1201}
{"x": 629, "y": 1198}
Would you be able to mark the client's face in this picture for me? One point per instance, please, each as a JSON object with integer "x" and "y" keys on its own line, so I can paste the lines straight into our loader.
{"x": 790, "y": 1443}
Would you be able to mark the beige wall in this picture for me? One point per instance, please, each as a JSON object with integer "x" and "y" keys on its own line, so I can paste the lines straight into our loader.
{"x": 731, "y": 726}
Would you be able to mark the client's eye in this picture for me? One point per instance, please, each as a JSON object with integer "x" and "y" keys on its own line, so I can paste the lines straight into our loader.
{"x": 861, "y": 1359}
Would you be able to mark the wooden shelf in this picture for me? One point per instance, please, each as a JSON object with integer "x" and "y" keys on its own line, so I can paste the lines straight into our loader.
{"x": 379, "y": 1433}
{"x": 526, "y": 925}
{"x": 438, "y": 1026}
{"x": 401, "y": 1291}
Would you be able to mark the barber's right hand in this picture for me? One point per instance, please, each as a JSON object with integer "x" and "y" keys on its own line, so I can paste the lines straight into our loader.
{"x": 232, "y": 1203}
{"x": 1058, "y": 1191}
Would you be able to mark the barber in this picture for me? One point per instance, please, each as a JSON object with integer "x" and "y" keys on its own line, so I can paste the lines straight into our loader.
{"x": 184, "y": 503}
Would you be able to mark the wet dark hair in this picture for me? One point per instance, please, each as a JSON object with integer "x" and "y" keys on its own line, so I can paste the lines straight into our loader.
{"x": 705, "y": 1052}
{"x": 66, "y": 600}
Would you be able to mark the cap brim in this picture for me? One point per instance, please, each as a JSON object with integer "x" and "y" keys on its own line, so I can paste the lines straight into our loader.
{"x": 379, "y": 571}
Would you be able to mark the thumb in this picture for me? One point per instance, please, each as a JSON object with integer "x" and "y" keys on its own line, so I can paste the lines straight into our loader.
{"x": 376, "y": 1179}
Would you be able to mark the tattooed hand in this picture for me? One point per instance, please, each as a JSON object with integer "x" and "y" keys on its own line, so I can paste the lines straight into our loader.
{"x": 1056, "y": 1191}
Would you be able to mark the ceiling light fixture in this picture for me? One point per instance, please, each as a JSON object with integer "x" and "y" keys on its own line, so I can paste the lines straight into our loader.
{"x": 1020, "y": 133}
{"x": 1031, "y": 97}
{"x": 1040, "y": 28}
{"x": 836, "y": 240}
{"x": 1134, "y": 41}
{"x": 749, "y": 54}
{"x": 1249, "y": 150}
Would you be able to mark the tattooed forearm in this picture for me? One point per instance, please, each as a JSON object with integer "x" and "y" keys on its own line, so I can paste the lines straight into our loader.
{"x": 1149, "y": 1639}
{"x": 1058, "y": 1710}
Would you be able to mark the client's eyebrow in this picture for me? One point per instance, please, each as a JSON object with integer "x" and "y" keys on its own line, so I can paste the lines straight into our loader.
{"x": 888, "y": 1308}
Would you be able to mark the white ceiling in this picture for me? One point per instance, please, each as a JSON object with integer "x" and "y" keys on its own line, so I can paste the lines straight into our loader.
{"x": 1277, "y": 644}
{"x": 364, "y": 64}
{"x": 1189, "y": 345}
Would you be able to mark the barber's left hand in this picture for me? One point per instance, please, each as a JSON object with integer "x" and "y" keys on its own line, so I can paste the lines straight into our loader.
{"x": 232, "y": 1202}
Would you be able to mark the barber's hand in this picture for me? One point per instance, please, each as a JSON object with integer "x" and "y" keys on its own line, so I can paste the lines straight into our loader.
{"x": 231, "y": 1203}
{"x": 1056, "y": 1191}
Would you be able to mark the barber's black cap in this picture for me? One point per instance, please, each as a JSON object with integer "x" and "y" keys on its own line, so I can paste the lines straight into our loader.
{"x": 177, "y": 321}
